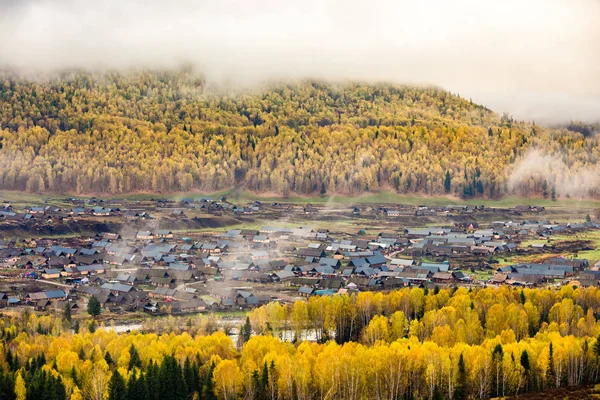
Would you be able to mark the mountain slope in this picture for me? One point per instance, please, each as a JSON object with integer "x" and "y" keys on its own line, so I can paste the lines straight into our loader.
{"x": 167, "y": 131}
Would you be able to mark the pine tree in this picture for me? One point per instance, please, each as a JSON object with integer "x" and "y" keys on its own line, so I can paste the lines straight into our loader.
{"x": 36, "y": 386}
{"x": 256, "y": 386}
{"x": 208, "y": 386}
{"x": 190, "y": 378}
{"x": 94, "y": 308}
{"x": 134, "y": 358}
{"x": 136, "y": 388}
{"x": 551, "y": 378}
{"x": 527, "y": 367}
{"x": 10, "y": 360}
{"x": 597, "y": 347}
{"x": 74, "y": 376}
{"x": 447, "y": 182}
{"x": 7, "y": 385}
{"x": 171, "y": 382}
{"x": 152, "y": 380}
{"x": 117, "y": 389}
{"x": 461, "y": 388}
{"x": 55, "y": 388}
{"x": 67, "y": 312}
{"x": 109, "y": 359}
{"x": 246, "y": 330}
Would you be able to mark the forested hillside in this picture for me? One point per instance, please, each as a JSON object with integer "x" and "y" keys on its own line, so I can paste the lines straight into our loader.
{"x": 166, "y": 132}
{"x": 412, "y": 344}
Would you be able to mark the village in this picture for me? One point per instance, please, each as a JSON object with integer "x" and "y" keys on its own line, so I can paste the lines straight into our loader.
{"x": 305, "y": 251}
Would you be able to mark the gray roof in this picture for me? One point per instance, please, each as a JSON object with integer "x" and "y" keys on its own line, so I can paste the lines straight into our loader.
{"x": 285, "y": 274}
{"x": 118, "y": 287}
{"x": 55, "y": 294}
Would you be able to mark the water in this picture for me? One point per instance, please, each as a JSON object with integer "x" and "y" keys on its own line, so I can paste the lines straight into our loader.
{"x": 286, "y": 336}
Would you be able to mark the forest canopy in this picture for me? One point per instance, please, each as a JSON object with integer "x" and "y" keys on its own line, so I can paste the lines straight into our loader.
{"x": 81, "y": 132}
{"x": 411, "y": 343}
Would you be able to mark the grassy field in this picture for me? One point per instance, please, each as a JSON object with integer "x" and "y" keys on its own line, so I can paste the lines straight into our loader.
{"x": 389, "y": 197}
{"x": 592, "y": 255}
{"x": 382, "y": 197}
{"x": 341, "y": 225}
{"x": 593, "y": 236}
{"x": 478, "y": 274}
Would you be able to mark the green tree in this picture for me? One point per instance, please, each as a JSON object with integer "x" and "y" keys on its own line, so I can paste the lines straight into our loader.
{"x": 246, "y": 330}
{"x": 152, "y": 380}
{"x": 136, "y": 388}
{"x": 257, "y": 389}
{"x": 134, "y": 358}
{"x": 109, "y": 360}
{"x": 7, "y": 385}
{"x": 208, "y": 389}
{"x": 526, "y": 367}
{"x": 94, "y": 308}
{"x": 461, "y": 388}
{"x": 191, "y": 376}
{"x": 117, "y": 390}
{"x": 67, "y": 311}
{"x": 551, "y": 375}
{"x": 171, "y": 382}
{"x": 447, "y": 182}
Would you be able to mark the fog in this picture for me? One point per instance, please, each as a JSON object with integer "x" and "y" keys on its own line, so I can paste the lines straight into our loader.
{"x": 573, "y": 180}
{"x": 536, "y": 59}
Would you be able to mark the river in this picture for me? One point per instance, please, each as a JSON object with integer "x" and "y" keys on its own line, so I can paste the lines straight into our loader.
{"x": 286, "y": 336}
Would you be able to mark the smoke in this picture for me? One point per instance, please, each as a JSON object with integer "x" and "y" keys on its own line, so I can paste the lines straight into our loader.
{"x": 568, "y": 179}
{"x": 536, "y": 59}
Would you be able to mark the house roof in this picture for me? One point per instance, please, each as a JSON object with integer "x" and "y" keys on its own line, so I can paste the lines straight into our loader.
{"x": 306, "y": 290}
{"x": 117, "y": 287}
{"x": 56, "y": 294}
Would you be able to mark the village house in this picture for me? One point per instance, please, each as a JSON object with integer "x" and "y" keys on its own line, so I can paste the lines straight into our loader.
{"x": 144, "y": 235}
{"x": 164, "y": 233}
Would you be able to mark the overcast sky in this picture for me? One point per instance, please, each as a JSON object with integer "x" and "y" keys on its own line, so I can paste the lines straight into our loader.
{"x": 537, "y": 59}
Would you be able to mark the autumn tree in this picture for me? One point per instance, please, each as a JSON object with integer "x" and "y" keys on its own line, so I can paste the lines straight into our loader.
{"x": 20, "y": 389}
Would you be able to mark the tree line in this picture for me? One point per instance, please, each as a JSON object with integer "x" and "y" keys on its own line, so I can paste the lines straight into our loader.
{"x": 443, "y": 316}
{"x": 410, "y": 344}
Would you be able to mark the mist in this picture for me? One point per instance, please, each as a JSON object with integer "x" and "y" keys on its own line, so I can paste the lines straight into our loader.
{"x": 567, "y": 179}
{"x": 537, "y": 60}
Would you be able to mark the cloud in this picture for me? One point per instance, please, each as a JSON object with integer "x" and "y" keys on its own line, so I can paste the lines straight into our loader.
{"x": 537, "y": 59}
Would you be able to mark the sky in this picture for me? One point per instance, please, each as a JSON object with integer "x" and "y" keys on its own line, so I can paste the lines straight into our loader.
{"x": 535, "y": 59}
